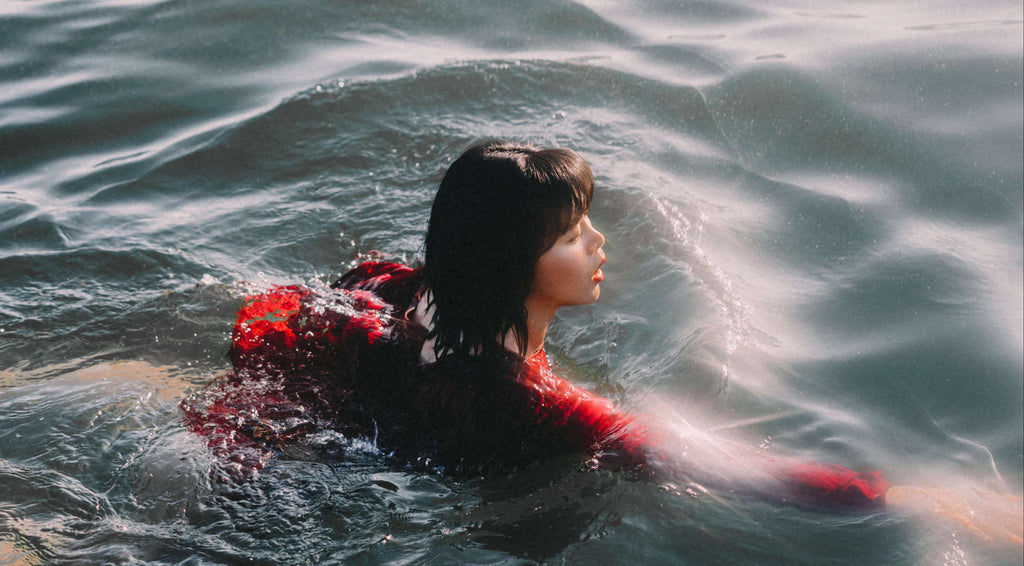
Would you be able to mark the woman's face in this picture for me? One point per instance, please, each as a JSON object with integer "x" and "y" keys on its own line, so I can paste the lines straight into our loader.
{"x": 570, "y": 272}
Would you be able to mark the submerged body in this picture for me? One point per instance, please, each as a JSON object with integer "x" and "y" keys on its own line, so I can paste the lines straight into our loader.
{"x": 354, "y": 360}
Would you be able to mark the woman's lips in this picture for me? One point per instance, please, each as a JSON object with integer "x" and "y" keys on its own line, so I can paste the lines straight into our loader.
{"x": 599, "y": 275}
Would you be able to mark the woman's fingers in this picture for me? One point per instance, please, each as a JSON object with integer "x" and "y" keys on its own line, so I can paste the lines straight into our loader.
{"x": 989, "y": 516}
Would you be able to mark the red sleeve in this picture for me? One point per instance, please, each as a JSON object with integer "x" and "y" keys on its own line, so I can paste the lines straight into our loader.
{"x": 588, "y": 421}
{"x": 833, "y": 485}
{"x": 593, "y": 423}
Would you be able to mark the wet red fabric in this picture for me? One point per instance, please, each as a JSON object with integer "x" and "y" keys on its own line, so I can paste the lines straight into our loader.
{"x": 268, "y": 315}
{"x": 558, "y": 403}
{"x": 838, "y": 485}
{"x": 347, "y": 359}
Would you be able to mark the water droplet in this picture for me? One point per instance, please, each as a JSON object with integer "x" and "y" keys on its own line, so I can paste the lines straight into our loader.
{"x": 695, "y": 490}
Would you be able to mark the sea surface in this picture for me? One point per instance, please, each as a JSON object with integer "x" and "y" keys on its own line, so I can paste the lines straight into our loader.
{"x": 814, "y": 224}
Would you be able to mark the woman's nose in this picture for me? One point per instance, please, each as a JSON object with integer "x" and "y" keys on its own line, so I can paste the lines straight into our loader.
{"x": 598, "y": 236}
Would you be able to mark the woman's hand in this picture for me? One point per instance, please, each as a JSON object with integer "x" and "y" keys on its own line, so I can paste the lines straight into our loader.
{"x": 991, "y": 517}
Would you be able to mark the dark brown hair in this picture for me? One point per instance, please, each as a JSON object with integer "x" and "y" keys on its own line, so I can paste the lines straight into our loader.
{"x": 500, "y": 206}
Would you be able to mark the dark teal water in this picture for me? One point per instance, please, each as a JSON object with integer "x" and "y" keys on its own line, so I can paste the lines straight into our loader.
{"x": 814, "y": 222}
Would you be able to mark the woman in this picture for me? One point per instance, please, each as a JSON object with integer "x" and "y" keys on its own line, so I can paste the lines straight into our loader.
{"x": 445, "y": 365}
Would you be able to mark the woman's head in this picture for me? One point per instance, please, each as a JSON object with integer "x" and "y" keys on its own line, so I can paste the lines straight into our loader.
{"x": 500, "y": 206}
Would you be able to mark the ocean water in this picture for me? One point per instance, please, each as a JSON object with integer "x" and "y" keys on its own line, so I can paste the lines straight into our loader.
{"x": 814, "y": 222}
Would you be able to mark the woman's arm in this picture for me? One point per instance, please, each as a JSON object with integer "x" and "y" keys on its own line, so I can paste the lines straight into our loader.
{"x": 593, "y": 423}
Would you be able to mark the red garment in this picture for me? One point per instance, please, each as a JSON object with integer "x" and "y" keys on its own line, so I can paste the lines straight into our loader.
{"x": 348, "y": 359}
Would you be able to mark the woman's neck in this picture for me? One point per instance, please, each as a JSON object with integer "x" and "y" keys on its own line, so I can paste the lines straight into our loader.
{"x": 538, "y": 317}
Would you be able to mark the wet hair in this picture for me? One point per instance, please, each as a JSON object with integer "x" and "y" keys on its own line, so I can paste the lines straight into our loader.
{"x": 500, "y": 206}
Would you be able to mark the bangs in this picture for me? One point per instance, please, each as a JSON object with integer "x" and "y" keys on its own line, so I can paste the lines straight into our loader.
{"x": 568, "y": 185}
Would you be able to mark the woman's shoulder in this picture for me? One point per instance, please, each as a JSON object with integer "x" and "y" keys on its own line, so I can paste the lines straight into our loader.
{"x": 372, "y": 273}
{"x": 395, "y": 283}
